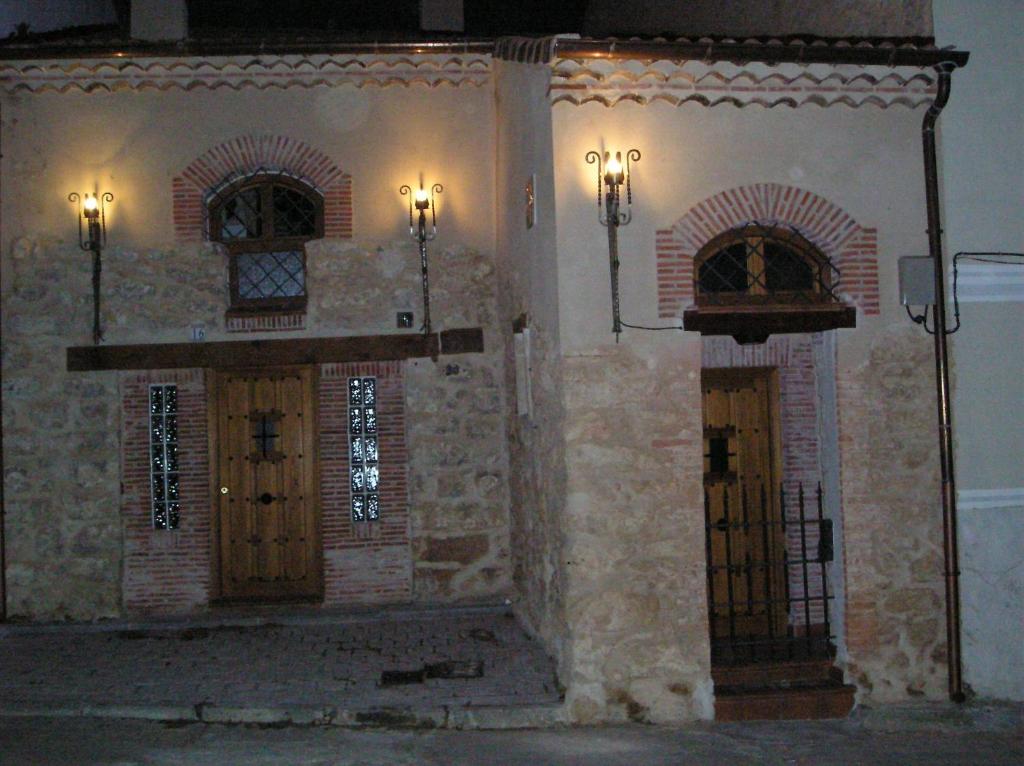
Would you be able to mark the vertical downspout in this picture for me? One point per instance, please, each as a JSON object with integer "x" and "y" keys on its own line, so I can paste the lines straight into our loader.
{"x": 949, "y": 522}
{"x": 3, "y": 518}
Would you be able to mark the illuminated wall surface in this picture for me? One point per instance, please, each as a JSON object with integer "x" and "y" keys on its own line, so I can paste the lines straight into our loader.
{"x": 588, "y": 513}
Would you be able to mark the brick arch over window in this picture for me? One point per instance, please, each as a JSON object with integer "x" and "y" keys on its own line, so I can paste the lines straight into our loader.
{"x": 852, "y": 248}
{"x": 247, "y": 154}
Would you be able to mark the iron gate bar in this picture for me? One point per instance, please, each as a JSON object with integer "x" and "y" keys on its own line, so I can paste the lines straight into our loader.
{"x": 821, "y": 559}
{"x": 803, "y": 555}
{"x": 728, "y": 562}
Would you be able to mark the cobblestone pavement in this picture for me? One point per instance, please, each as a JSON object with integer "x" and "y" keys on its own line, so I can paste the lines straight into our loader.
{"x": 301, "y": 662}
{"x": 83, "y": 742}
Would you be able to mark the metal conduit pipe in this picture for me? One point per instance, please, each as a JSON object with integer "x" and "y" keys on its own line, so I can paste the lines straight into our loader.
{"x": 949, "y": 532}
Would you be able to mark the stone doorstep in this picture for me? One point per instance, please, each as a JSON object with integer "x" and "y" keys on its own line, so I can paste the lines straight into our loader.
{"x": 432, "y": 717}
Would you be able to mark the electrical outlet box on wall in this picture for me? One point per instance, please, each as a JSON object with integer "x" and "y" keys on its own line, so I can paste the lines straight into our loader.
{"x": 917, "y": 280}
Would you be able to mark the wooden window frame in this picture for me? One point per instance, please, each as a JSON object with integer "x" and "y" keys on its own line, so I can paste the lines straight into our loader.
{"x": 267, "y": 242}
{"x": 757, "y": 293}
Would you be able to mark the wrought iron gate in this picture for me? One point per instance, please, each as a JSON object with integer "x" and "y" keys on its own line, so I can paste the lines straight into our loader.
{"x": 767, "y": 602}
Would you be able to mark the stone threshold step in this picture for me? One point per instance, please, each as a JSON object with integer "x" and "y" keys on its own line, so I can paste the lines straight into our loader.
{"x": 793, "y": 673}
{"x": 427, "y": 717}
{"x": 795, "y": 704}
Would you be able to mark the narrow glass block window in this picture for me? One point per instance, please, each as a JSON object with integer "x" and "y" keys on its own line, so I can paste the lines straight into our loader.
{"x": 163, "y": 456}
{"x": 364, "y": 468}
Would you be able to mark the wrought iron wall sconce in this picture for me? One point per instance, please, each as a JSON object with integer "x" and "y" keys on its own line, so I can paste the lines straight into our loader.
{"x": 92, "y": 237}
{"x": 423, "y": 200}
{"x": 611, "y": 176}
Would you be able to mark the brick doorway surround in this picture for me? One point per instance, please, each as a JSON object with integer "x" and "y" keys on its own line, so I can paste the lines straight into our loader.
{"x": 170, "y": 571}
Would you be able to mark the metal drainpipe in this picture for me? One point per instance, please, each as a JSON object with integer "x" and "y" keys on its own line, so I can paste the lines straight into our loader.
{"x": 949, "y": 524}
{"x": 3, "y": 518}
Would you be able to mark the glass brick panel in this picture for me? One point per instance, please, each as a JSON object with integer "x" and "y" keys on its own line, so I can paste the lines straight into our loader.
{"x": 294, "y": 213}
{"x": 364, "y": 471}
{"x": 271, "y": 275}
{"x": 156, "y": 464}
{"x": 163, "y": 456}
{"x": 358, "y": 508}
{"x": 159, "y": 516}
{"x": 356, "y": 451}
{"x": 371, "y": 448}
{"x": 172, "y": 457}
{"x": 355, "y": 392}
{"x": 355, "y": 420}
{"x": 358, "y": 479}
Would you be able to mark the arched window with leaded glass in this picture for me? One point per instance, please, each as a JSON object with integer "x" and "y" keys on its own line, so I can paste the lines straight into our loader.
{"x": 755, "y": 280}
{"x": 264, "y": 222}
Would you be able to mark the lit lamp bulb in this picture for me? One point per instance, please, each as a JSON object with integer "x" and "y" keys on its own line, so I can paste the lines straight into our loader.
{"x": 90, "y": 206}
{"x": 421, "y": 199}
{"x": 613, "y": 169}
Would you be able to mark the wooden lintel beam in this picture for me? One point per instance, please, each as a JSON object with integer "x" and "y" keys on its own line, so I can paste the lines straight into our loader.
{"x": 274, "y": 352}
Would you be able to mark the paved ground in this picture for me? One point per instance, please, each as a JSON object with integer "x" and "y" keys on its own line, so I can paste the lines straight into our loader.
{"x": 224, "y": 690}
{"x": 83, "y": 742}
{"x": 290, "y": 668}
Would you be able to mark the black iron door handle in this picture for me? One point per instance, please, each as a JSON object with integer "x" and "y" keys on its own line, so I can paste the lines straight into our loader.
{"x": 266, "y": 498}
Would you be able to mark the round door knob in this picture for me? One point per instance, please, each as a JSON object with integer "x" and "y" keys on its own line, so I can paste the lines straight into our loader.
{"x": 223, "y": 490}
{"x": 266, "y": 498}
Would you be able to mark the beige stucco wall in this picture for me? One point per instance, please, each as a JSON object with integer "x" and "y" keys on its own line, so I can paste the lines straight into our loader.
{"x": 982, "y": 160}
{"x": 621, "y": 398}
{"x": 60, "y": 430}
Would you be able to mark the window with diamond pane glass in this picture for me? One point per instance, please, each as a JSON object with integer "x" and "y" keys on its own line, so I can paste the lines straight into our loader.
{"x": 763, "y": 264}
{"x": 264, "y": 222}
{"x": 165, "y": 506}
{"x": 267, "y": 275}
{"x": 364, "y": 467}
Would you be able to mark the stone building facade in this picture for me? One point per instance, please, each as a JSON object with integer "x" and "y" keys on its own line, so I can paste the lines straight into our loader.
{"x": 551, "y": 463}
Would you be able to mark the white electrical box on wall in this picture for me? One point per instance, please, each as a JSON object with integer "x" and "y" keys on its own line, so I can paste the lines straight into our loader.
{"x": 917, "y": 280}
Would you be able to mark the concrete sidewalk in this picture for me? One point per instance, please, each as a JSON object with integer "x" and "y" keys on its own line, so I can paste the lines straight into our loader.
{"x": 303, "y": 669}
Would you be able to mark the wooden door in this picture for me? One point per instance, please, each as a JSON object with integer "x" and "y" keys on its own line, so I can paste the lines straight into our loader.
{"x": 267, "y": 490}
{"x": 745, "y": 539}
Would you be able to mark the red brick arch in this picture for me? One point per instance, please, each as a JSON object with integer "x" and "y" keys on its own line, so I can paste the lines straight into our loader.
{"x": 851, "y": 247}
{"x": 246, "y": 154}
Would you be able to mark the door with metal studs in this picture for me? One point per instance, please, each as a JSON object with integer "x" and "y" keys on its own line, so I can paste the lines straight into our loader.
{"x": 268, "y": 522}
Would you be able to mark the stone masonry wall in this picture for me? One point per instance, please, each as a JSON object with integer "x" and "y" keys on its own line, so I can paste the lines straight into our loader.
{"x": 892, "y": 522}
{"x": 457, "y": 453}
{"x": 64, "y": 528}
{"x": 637, "y": 596}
